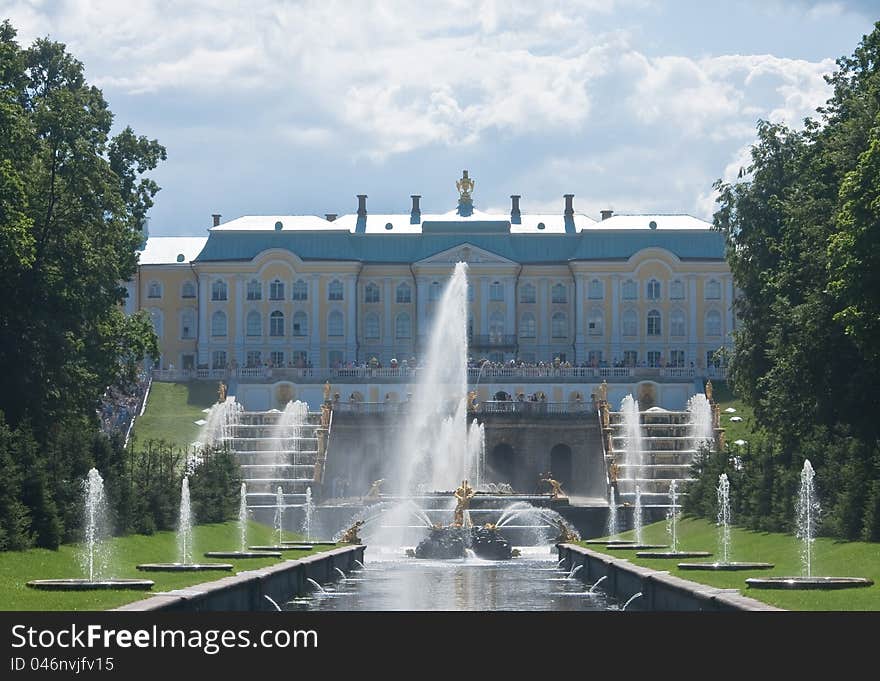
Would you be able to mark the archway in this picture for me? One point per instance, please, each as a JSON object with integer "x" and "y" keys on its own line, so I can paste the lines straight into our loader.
{"x": 560, "y": 465}
{"x": 502, "y": 464}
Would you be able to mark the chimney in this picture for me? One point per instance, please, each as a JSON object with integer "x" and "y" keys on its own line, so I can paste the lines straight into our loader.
{"x": 607, "y": 213}
{"x": 361, "y": 224}
{"x": 330, "y": 216}
{"x": 216, "y": 217}
{"x": 569, "y": 209}
{"x": 415, "y": 215}
{"x": 514, "y": 208}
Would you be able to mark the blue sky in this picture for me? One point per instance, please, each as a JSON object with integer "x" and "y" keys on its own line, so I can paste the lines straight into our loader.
{"x": 271, "y": 107}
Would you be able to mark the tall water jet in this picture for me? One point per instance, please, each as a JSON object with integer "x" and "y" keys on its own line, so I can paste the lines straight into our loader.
{"x": 279, "y": 515}
{"x": 289, "y": 429}
{"x": 632, "y": 433}
{"x": 637, "y": 516}
{"x": 807, "y": 510}
{"x": 94, "y": 557}
{"x": 700, "y": 427}
{"x": 242, "y": 518}
{"x": 723, "y": 494}
{"x": 433, "y": 448}
{"x": 184, "y": 526}
{"x": 308, "y": 510}
{"x": 476, "y": 452}
{"x": 94, "y": 553}
{"x": 220, "y": 417}
{"x": 612, "y": 514}
{"x": 672, "y": 517}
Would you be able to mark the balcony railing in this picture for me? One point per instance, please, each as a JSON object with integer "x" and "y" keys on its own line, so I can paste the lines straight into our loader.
{"x": 408, "y": 374}
{"x": 500, "y": 340}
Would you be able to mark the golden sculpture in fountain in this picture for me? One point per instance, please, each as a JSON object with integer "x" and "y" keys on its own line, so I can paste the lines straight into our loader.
{"x": 566, "y": 534}
{"x": 555, "y": 488}
{"x": 350, "y": 536}
{"x": 375, "y": 490}
{"x": 463, "y": 496}
{"x": 221, "y": 392}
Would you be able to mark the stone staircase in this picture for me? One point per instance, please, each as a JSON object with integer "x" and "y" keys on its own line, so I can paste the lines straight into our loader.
{"x": 667, "y": 451}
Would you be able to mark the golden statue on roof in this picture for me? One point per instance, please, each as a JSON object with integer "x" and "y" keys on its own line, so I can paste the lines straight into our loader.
{"x": 465, "y": 186}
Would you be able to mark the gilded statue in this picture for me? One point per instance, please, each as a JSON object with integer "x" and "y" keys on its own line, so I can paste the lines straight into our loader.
{"x": 556, "y": 488}
{"x": 350, "y": 536}
{"x": 613, "y": 472}
{"x": 465, "y": 186}
{"x": 327, "y": 391}
{"x": 709, "y": 390}
{"x": 566, "y": 534}
{"x": 603, "y": 391}
{"x": 221, "y": 392}
{"x": 463, "y": 496}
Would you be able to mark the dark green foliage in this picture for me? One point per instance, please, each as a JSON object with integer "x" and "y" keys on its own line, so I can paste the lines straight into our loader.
{"x": 72, "y": 206}
{"x": 214, "y": 487}
{"x": 803, "y": 235}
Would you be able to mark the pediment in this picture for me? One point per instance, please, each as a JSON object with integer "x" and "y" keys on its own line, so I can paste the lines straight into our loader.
{"x": 466, "y": 252}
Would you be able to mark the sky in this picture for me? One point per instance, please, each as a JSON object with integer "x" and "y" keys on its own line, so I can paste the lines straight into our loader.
{"x": 269, "y": 107}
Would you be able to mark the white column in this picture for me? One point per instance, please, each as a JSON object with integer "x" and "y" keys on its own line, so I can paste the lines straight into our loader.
{"x": 387, "y": 336}
{"x": 484, "y": 306}
{"x": 615, "y": 319}
{"x": 422, "y": 310}
{"x": 510, "y": 301}
{"x": 240, "y": 324}
{"x": 351, "y": 324}
{"x": 577, "y": 301}
{"x": 202, "y": 348}
{"x": 543, "y": 319}
{"x": 692, "y": 319}
{"x": 315, "y": 321}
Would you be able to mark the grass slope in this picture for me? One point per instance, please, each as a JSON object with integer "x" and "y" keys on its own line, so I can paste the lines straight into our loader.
{"x": 734, "y": 430}
{"x": 172, "y": 409}
{"x": 830, "y": 558}
{"x": 18, "y": 567}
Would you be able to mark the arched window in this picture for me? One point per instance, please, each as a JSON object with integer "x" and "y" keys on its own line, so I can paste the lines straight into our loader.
{"x": 404, "y": 293}
{"x": 559, "y": 325}
{"x": 154, "y": 290}
{"x": 371, "y": 326}
{"x": 276, "y": 323}
{"x": 496, "y": 292}
{"x": 219, "y": 290}
{"x": 402, "y": 326}
{"x": 630, "y": 290}
{"x": 558, "y": 294}
{"x": 158, "y": 322}
{"x": 187, "y": 324}
{"x": 654, "y": 323}
{"x": 676, "y": 290}
{"x": 300, "y": 323}
{"x": 676, "y": 323}
{"x": 527, "y": 293}
{"x": 713, "y": 323}
{"x": 335, "y": 324}
{"x": 254, "y": 290}
{"x": 597, "y": 290}
{"x": 713, "y": 290}
{"x": 527, "y": 326}
{"x": 218, "y": 323}
{"x": 254, "y": 324}
{"x": 300, "y": 290}
{"x": 188, "y": 290}
{"x": 434, "y": 291}
{"x": 652, "y": 291}
{"x": 630, "y": 323}
{"x": 371, "y": 293}
{"x": 276, "y": 290}
{"x": 334, "y": 290}
{"x": 596, "y": 322}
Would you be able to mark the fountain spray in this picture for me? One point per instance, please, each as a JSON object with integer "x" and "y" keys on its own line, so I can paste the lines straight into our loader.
{"x": 724, "y": 516}
{"x": 184, "y": 526}
{"x": 807, "y": 510}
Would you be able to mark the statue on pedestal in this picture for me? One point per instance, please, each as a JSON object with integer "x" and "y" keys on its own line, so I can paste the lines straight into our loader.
{"x": 709, "y": 390}
{"x": 556, "y": 488}
{"x": 350, "y": 536}
{"x": 221, "y": 392}
{"x": 463, "y": 496}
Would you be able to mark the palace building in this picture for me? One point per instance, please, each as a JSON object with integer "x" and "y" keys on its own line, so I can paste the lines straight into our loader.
{"x": 294, "y": 292}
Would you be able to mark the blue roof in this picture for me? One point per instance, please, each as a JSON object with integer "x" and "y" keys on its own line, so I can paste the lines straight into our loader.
{"x": 411, "y": 248}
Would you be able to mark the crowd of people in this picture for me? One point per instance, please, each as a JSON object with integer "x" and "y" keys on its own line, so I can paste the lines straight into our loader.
{"x": 120, "y": 405}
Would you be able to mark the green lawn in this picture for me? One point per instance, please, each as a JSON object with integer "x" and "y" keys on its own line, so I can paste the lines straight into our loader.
{"x": 18, "y": 567}
{"x": 830, "y": 558}
{"x": 172, "y": 409}
{"x": 734, "y": 430}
